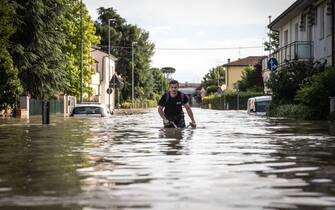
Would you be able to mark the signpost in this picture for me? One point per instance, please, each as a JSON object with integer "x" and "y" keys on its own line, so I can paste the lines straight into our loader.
{"x": 272, "y": 64}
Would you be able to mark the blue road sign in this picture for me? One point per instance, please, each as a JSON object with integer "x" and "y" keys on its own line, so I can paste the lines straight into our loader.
{"x": 272, "y": 64}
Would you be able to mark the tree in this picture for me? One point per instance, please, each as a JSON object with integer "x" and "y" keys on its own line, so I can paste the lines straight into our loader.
{"x": 122, "y": 37}
{"x": 168, "y": 71}
{"x": 160, "y": 81}
{"x": 70, "y": 25}
{"x": 213, "y": 77}
{"x": 38, "y": 54}
{"x": 273, "y": 43}
{"x": 252, "y": 79}
{"x": 10, "y": 85}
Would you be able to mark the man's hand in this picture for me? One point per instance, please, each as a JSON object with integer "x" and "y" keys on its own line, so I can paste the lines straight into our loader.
{"x": 193, "y": 124}
{"x": 166, "y": 121}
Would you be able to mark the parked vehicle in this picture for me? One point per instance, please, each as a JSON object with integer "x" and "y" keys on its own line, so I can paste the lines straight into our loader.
{"x": 259, "y": 105}
{"x": 91, "y": 110}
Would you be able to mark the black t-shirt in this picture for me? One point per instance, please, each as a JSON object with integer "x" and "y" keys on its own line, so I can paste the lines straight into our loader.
{"x": 173, "y": 106}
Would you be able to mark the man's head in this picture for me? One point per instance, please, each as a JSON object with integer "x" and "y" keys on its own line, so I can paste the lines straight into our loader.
{"x": 173, "y": 86}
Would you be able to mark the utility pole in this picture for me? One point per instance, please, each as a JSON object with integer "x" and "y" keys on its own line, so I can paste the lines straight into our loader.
{"x": 81, "y": 51}
{"x": 333, "y": 31}
{"x": 109, "y": 62}
{"x": 132, "y": 74}
{"x": 270, "y": 44}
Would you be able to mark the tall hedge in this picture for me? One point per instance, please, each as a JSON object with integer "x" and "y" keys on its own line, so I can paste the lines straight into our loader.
{"x": 228, "y": 100}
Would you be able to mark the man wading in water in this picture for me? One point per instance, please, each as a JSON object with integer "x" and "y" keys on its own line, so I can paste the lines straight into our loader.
{"x": 172, "y": 102}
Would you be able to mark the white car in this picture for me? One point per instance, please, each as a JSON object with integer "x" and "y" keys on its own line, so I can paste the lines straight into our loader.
{"x": 91, "y": 110}
{"x": 259, "y": 105}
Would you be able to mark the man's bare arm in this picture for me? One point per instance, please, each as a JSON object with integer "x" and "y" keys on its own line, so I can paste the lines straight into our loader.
{"x": 161, "y": 113}
{"x": 189, "y": 112}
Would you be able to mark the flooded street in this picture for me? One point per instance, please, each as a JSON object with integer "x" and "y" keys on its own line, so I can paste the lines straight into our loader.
{"x": 231, "y": 161}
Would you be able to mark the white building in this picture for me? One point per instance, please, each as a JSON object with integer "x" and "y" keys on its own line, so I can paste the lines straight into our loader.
{"x": 306, "y": 31}
{"x": 104, "y": 66}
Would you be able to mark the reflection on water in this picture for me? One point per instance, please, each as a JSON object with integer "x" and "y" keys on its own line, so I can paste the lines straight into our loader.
{"x": 231, "y": 161}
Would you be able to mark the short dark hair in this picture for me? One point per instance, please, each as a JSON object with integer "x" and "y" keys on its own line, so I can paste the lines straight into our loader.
{"x": 172, "y": 82}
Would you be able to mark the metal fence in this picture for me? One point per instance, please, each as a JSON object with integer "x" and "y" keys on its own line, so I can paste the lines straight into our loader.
{"x": 35, "y": 107}
{"x": 300, "y": 50}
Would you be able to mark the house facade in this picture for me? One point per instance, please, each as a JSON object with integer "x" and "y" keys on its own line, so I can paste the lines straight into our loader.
{"x": 104, "y": 67}
{"x": 306, "y": 32}
{"x": 234, "y": 69}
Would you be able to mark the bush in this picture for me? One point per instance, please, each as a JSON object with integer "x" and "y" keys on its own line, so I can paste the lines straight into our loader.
{"x": 211, "y": 90}
{"x": 315, "y": 93}
{"x": 126, "y": 105}
{"x": 285, "y": 82}
{"x": 290, "y": 111}
{"x": 152, "y": 103}
{"x": 230, "y": 99}
{"x": 331, "y": 117}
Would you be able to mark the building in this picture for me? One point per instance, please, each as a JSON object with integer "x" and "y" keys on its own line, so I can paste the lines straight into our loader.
{"x": 306, "y": 32}
{"x": 234, "y": 69}
{"x": 104, "y": 67}
{"x": 190, "y": 89}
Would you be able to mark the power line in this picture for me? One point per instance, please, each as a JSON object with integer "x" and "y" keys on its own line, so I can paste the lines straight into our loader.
{"x": 189, "y": 49}
{"x": 210, "y": 48}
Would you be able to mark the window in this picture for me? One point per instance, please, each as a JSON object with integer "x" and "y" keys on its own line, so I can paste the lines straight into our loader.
{"x": 329, "y": 24}
{"x": 97, "y": 67}
{"x": 296, "y": 32}
{"x": 285, "y": 37}
{"x": 322, "y": 21}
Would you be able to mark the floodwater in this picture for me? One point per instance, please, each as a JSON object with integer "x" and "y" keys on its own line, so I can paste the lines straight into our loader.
{"x": 231, "y": 161}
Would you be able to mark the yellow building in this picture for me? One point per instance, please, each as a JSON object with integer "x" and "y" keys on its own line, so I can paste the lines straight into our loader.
{"x": 234, "y": 69}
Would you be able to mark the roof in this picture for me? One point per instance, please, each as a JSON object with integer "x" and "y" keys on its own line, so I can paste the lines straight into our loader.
{"x": 248, "y": 61}
{"x": 99, "y": 55}
{"x": 291, "y": 12}
{"x": 187, "y": 84}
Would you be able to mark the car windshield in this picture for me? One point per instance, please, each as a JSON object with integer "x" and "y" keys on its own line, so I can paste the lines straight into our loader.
{"x": 87, "y": 110}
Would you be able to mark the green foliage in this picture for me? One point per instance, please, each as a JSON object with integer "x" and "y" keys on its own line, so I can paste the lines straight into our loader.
{"x": 211, "y": 90}
{"x": 213, "y": 77}
{"x": 160, "y": 82}
{"x": 229, "y": 99}
{"x": 152, "y": 103}
{"x": 295, "y": 111}
{"x": 37, "y": 51}
{"x": 315, "y": 93}
{"x": 126, "y": 105}
{"x": 70, "y": 25}
{"x": 273, "y": 43}
{"x": 286, "y": 81}
{"x": 168, "y": 70}
{"x": 332, "y": 117}
{"x": 10, "y": 85}
{"x": 252, "y": 79}
{"x": 122, "y": 35}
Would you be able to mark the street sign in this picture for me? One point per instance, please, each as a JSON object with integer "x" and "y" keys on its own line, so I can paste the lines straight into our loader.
{"x": 272, "y": 64}
{"x": 109, "y": 90}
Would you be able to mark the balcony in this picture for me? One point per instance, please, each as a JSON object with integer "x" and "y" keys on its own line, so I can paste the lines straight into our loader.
{"x": 300, "y": 50}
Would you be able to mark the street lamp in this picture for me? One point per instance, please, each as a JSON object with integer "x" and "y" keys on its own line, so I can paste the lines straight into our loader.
{"x": 132, "y": 73}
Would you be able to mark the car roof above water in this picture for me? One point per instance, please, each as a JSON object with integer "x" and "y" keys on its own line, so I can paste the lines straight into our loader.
{"x": 261, "y": 98}
{"x": 90, "y": 104}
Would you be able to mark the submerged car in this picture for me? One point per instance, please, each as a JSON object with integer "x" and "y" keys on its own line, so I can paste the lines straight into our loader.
{"x": 90, "y": 110}
{"x": 259, "y": 105}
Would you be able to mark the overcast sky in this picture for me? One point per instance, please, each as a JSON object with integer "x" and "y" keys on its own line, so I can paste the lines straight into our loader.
{"x": 198, "y": 24}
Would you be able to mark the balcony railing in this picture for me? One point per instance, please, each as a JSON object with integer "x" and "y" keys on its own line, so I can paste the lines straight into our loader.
{"x": 300, "y": 50}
